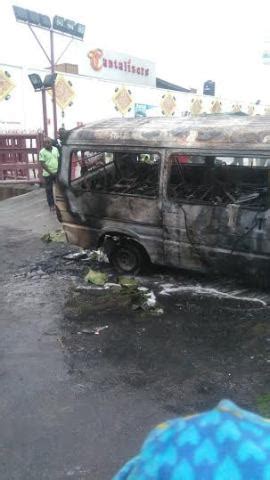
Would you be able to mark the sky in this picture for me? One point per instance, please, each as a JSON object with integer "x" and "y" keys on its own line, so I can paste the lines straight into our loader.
{"x": 190, "y": 41}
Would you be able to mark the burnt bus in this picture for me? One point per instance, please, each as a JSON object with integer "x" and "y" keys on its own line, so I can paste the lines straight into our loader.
{"x": 191, "y": 193}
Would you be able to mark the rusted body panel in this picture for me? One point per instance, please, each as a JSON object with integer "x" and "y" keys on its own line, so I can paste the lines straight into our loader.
{"x": 200, "y": 237}
{"x": 87, "y": 217}
{"x": 218, "y": 234}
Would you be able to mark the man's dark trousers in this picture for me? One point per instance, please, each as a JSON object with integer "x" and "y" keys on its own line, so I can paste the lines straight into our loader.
{"x": 49, "y": 189}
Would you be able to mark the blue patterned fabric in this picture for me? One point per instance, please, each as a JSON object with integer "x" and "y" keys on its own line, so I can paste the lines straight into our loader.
{"x": 226, "y": 443}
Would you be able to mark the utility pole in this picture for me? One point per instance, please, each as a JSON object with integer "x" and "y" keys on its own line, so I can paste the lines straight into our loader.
{"x": 59, "y": 25}
{"x": 53, "y": 88}
{"x": 42, "y": 86}
{"x": 44, "y": 111}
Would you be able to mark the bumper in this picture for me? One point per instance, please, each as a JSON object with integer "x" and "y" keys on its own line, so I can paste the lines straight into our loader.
{"x": 79, "y": 235}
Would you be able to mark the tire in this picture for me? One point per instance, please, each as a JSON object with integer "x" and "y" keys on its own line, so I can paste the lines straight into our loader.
{"x": 127, "y": 258}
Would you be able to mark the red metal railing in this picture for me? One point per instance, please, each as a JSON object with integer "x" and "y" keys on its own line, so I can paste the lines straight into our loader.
{"x": 19, "y": 157}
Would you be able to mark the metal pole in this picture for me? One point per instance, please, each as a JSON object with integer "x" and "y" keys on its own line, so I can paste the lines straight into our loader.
{"x": 44, "y": 110}
{"x": 64, "y": 51}
{"x": 53, "y": 88}
{"x": 39, "y": 42}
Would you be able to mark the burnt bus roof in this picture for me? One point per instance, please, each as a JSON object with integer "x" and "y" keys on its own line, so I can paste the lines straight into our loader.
{"x": 221, "y": 132}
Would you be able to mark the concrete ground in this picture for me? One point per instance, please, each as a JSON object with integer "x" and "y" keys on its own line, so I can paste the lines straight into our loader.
{"x": 54, "y": 423}
{"x": 75, "y": 405}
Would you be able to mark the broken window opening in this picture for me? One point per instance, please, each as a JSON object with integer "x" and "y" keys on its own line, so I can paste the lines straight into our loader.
{"x": 219, "y": 180}
{"x": 124, "y": 173}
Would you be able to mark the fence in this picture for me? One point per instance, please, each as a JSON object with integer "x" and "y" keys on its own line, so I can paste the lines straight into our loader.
{"x": 19, "y": 157}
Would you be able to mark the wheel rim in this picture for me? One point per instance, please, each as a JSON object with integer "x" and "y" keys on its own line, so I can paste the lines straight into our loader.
{"x": 126, "y": 260}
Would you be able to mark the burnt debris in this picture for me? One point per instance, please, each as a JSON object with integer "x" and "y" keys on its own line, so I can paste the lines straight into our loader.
{"x": 218, "y": 183}
{"x": 122, "y": 173}
{"x": 193, "y": 179}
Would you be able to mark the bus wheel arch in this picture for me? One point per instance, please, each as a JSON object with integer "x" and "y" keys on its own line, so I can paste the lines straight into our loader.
{"x": 125, "y": 253}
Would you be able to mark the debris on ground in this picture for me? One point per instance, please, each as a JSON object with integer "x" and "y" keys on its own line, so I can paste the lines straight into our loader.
{"x": 100, "y": 329}
{"x": 159, "y": 311}
{"x": 151, "y": 300}
{"x": 142, "y": 298}
{"x": 88, "y": 288}
{"x": 98, "y": 255}
{"x": 96, "y": 277}
{"x": 168, "y": 289}
{"x": 143, "y": 289}
{"x": 128, "y": 282}
{"x": 76, "y": 256}
{"x": 60, "y": 340}
{"x": 93, "y": 331}
{"x": 86, "y": 256}
{"x": 113, "y": 286}
{"x": 146, "y": 300}
{"x": 57, "y": 236}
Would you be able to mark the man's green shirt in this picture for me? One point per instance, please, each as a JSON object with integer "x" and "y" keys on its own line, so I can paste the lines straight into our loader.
{"x": 50, "y": 159}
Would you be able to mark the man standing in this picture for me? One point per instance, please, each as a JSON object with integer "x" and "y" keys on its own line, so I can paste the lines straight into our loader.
{"x": 48, "y": 158}
{"x": 58, "y": 142}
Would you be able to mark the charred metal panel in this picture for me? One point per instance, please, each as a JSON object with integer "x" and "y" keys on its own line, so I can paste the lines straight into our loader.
{"x": 79, "y": 235}
{"x": 137, "y": 214}
{"x": 220, "y": 132}
{"x": 139, "y": 218}
{"x": 119, "y": 207}
{"x": 196, "y": 235}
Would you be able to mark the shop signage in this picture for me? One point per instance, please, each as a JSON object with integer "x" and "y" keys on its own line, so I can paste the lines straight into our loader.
{"x": 120, "y": 67}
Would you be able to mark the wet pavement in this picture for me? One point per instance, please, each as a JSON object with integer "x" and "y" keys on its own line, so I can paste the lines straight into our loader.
{"x": 13, "y": 190}
{"x": 86, "y": 371}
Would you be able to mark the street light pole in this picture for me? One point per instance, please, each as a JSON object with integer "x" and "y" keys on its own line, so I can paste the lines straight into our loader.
{"x": 52, "y": 68}
{"x": 44, "y": 111}
{"x": 61, "y": 26}
{"x": 42, "y": 86}
{"x": 53, "y": 88}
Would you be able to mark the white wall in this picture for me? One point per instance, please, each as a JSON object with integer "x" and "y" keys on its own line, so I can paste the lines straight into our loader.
{"x": 93, "y": 101}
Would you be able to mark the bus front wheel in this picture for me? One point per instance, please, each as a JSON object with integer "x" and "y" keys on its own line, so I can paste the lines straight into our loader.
{"x": 126, "y": 257}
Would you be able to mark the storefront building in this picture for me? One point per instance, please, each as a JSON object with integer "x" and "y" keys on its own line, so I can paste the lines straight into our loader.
{"x": 105, "y": 84}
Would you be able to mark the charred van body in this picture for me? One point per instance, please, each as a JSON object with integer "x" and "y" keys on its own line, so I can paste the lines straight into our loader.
{"x": 192, "y": 193}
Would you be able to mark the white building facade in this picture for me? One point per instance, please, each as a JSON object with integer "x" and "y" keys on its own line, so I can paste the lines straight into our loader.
{"x": 111, "y": 85}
